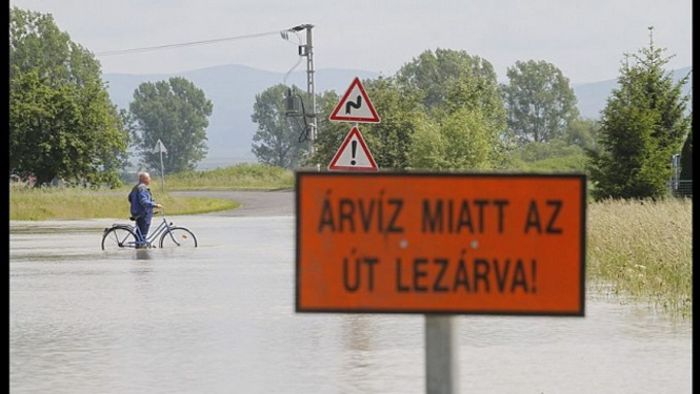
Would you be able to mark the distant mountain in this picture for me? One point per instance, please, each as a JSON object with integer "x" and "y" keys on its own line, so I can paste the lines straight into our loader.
{"x": 592, "y": 97}
{"x": 232, "y": 90}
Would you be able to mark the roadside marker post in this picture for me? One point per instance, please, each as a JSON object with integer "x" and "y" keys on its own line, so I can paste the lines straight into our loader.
{"x": 438, "y": 244}
{"x": 161, "y": 148}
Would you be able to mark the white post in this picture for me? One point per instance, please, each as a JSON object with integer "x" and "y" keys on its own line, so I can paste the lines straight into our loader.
{"x": 162, "y": 173}
{"x": 441, "y": 356}
{"x": 161, "y": 150}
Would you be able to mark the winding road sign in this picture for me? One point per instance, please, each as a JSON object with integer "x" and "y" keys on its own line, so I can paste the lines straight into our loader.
{"x": 355, "y": 106}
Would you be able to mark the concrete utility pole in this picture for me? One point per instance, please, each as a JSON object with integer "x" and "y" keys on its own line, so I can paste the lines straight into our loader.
{"x": 310, "y": 83}
{"x": 308, "y": 51}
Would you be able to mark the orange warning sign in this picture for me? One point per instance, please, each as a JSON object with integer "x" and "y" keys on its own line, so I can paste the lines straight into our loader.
{"x": 509, "y": 244}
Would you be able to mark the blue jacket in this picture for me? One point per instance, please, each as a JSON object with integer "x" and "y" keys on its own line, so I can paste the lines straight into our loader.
{"x": 142, "y": 203}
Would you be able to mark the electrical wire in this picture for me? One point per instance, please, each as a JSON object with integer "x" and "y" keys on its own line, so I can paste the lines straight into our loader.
{"x": 185, "y": 44}
{"x": 284, "y": 80}
{"x": 303, "y": 136}
{"x": 298, "y": 43}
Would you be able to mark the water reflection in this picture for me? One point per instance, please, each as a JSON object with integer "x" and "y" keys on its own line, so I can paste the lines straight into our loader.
{"x": 356, "y": 332}
{"x": 143, "y": 254}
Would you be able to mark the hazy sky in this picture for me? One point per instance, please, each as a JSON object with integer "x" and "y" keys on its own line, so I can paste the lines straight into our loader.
{"x": 585, "y": 38}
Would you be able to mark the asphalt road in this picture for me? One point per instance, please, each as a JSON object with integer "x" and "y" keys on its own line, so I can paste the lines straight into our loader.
{"x": 253, "y": 203}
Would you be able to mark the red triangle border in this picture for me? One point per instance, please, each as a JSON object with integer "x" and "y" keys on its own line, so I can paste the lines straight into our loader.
{"x": 335, "y": 117}
{"x": 363, "y": 144}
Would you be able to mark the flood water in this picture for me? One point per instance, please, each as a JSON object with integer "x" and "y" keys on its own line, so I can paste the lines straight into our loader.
{"x": 220, "y": 319}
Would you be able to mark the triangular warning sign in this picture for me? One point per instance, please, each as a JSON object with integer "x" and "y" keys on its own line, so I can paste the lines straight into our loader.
{"x": 353, "y": 154}
{"x": 355, "y": 106}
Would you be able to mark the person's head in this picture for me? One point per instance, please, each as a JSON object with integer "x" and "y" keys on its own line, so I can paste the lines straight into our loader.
{"x": 144, "y": 178}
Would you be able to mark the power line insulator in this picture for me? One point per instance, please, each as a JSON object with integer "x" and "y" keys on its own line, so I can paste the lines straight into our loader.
{"x": 303, "y": 50}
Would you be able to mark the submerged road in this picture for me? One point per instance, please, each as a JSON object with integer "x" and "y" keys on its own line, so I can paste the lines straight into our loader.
{"x": 220, "y": 319}
{"x": 253, "y": 203}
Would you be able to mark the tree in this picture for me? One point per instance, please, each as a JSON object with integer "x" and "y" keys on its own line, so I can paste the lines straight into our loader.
{"x": 279, "y": 140}
{"x": 176, "y": 112}
{"x": 540, "y": 103}
{"x": 461, "y": 97}
{"x": 464, "y": 140}
{"x": 583, "y": 133}
{"x": 62, "y": 122}
{"x": 428, "y": 148}
{"x": 447, "y": 79}
{"x": 555, "y": 155}
{"x": 643, "y": 125}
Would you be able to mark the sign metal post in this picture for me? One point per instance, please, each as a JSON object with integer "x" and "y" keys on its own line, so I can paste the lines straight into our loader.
{"x": 441, "y": 355}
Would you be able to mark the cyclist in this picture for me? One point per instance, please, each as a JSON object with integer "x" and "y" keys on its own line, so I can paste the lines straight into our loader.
{"x": 142, "y": 205}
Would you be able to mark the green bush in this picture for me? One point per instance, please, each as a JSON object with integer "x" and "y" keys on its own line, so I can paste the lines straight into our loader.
{"x": 241, "y": 176}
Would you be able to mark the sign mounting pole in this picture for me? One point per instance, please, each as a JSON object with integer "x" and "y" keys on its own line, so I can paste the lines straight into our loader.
{"x": 441, "y": 356}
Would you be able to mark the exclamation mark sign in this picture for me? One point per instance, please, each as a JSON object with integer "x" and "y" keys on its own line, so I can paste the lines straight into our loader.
{"x": 354, "y": 152}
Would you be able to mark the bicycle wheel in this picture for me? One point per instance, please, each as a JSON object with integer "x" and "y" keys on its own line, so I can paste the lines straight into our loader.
{"x": 118, "y": 237}
{"x": 178, "y": 237}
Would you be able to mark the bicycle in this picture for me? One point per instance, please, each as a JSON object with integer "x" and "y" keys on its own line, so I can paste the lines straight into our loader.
{"x": 121, "y": 236}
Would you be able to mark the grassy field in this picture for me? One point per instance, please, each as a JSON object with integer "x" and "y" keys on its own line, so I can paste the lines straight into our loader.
{"x": 72, "y": 203}
{"x": 644, "y": 249}
{"x": 238, "y": 177}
